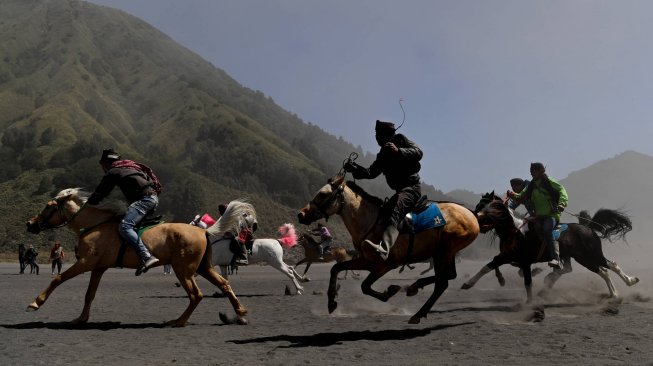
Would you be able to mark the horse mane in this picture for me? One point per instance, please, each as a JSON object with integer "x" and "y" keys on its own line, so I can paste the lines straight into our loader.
{"x": 81, "y": 196}
{"x": 361, "y": 192}
{"x": 288, "y": 237}
{"x": 230, "y": 220}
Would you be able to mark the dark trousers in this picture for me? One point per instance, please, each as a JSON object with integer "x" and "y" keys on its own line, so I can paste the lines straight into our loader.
{"x": 544, "y": 228}
{"x": 403, "y": 202}
{"x": 56, "y": 263}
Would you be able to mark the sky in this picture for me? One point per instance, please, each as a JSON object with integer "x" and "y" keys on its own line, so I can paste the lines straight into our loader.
{"x": 488, "y": 86}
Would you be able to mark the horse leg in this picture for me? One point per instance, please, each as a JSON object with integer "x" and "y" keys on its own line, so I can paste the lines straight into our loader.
{"x": 357, "y": 263}
{"x": 299, "y": 277}
{"x": 414, "y": 288}
{"x": 96, "y": 276}
{"x": 500, "y": 278}
{"x": 629, "y": 280}
{"x": 308, "y": 265}
{"x": 366, "y": 286}
{"x": 223, "y": 284}
{"x": 76, "y": 269}
{"x": 285, "y": 269}
{"x": 444, "y": 270}
{"x": 194, "y": 296}
{"x": 554, "y": 276}
{"x": 603, "y": 272}
{"x": 528, "y": 282}
{"x": 485, "y": 270}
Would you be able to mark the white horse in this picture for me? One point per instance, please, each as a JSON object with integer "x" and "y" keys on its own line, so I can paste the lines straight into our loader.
{"x": 267, "y": 251}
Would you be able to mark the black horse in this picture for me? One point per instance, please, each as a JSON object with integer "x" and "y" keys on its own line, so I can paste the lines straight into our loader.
{"x": 521, "y": 246}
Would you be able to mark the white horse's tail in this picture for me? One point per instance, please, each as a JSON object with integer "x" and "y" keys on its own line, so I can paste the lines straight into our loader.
{"x": 231, "y": 218}
{"x": 288, "y": 237}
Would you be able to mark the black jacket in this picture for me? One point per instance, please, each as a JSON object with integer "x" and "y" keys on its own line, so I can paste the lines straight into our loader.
{"x": 133, "y": 184}
{"x": 400, "y": 170}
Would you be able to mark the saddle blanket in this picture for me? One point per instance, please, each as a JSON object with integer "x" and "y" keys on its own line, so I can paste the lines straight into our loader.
{"x": 427, "y": 219}
{"x": 558, "y": 230}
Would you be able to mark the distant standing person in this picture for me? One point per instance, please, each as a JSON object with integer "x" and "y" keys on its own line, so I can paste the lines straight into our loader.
{"x": 30, "y": 258}
{"x": 21, "y": 258}
{"x": 57, "y": 256}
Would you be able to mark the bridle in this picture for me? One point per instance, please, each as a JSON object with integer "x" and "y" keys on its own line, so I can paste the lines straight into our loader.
{"x": 44, "y": 223}
{"x": 337, "y": 195}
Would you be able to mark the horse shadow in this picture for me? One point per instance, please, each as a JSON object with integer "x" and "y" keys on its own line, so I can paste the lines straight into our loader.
{"x": 328, "y": 339}
{"x": 88, "y": 326}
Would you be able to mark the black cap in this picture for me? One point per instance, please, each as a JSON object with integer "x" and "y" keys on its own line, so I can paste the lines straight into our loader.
{"x": 538, "y": 166}
{"x": 385, "y": 126}
{"x": 516, "y": 181}
{"x": 109, "y": 155}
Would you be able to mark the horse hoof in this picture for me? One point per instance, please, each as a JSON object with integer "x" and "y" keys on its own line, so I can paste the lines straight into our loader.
{"x": 634, "y": 281}
{"x": 411, "y": 291}
{"x": 414, "y": 320}
{"x": 306, "y": 279}
{"x": 502, "y": 282}
{"x": 175, "y": 324}
{"x": 300, "y": 291}
{"x": 32, "y": 307}
{"x": 332, "y": 306}
{"x": 241, "y": 321}
{"x": 467, "y": 286}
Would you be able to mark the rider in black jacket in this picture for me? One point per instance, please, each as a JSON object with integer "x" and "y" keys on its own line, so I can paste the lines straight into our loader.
{"x": 139, "y": 189}
{"x": 398, "y": 160}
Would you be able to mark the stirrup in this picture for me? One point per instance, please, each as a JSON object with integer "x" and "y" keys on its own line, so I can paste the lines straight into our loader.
{"x": 151, "y": 261}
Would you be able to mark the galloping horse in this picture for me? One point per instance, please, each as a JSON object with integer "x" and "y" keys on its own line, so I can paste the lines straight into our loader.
{"x": 312, "y": 254}
{"x": 183, "y": 246}
{"x": 578, "y": 241}
{"x": 360, "y": 213}
{"x": 267, "y": 251}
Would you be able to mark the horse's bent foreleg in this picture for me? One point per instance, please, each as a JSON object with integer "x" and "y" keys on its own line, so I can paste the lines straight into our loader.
{"x": 296, "y": 274}
{"x": 223, "y": 284}
{"x": 357, "y": 263}
{"x": 76, "y": 269}
{"x": 367, "y": 289}
{"x": 472, "y": 281}
{"x": 414, "y": 288}
{"x": 528, "y": 282}
{"x": 629, "y": 280}
{"x": 96, "y": 276}
{"x": 194, "y": 297}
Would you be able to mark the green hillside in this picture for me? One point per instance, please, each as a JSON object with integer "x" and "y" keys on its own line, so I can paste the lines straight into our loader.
{"x": 76, "y": 78}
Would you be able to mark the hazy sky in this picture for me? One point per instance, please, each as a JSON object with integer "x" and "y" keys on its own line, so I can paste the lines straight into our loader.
{"x": 489, "y": 86}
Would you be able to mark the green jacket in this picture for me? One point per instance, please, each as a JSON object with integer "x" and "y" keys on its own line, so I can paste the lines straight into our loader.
{"x": 542, "y": 197}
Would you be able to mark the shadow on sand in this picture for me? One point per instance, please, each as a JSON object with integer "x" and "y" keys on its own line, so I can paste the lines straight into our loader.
{"x": 330, "y": 339}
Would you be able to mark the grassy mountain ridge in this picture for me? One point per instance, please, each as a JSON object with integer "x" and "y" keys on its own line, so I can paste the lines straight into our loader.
{"x": 76, "y": 78}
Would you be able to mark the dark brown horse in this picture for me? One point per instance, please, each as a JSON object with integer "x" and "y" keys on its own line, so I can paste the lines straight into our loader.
{"x": 312, "y": 254}
{"x": 360, "y": 214}
{"x": 183, "y": 246}
{"x": 520, "y": 245}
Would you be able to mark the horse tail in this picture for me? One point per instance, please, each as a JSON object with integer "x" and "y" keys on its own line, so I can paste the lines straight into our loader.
{"x": 231, "y": 218}
{"x": 610, "y": 224}
{"x": 288, "y": 235}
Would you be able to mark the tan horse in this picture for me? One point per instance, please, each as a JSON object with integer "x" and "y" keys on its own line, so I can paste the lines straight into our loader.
{"x": 181, "y": 245}
{"x": 312, "y": 254}
{"x": 360, "y": 214}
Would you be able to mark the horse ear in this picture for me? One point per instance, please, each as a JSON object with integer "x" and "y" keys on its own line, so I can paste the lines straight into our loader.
{"x": 492, "y": 194}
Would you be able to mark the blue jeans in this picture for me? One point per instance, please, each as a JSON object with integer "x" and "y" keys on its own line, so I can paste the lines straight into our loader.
{"x": 544, "y": 228}
{"x": 135, "y": 213}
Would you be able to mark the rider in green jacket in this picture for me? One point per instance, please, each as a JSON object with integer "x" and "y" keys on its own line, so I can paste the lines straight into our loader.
{"x": 549, "y": 199}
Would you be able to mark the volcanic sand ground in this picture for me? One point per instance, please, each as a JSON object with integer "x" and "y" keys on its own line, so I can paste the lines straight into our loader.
{"x": 487, "y": 324}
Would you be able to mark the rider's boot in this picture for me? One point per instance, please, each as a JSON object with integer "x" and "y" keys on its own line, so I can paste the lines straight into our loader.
{"x": 555, "y": 261}
{"x": 390, "y": 235}
{"x": 147, "y": 259}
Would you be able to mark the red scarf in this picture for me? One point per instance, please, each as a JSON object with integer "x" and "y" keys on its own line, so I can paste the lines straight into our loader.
{"x": 140, "y": 168}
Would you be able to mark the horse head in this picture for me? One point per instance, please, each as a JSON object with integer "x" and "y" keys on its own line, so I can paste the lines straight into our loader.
{"x": 53, "y": 215}
{"x": 328, "y": 201}
{"x": 495, "y": 215}
{"x": 485, "y": 199}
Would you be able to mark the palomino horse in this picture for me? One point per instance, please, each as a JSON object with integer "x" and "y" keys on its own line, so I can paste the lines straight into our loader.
{"x": 267, "y": 251}
{"x": 312, "y": 254}
{"x": 581, "y": 242}
{"x": 360, "y": 213}
{"x": 181, "y": 245}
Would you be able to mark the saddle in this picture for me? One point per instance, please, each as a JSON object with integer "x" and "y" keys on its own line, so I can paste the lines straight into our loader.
{"x": 424, "y": 216}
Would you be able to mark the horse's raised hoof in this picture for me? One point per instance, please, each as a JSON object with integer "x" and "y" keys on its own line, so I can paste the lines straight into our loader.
{"x": 634, "y": 281}
{"x": 467, "y": 286}
{"x": 411, "y": 291}
{"x": 392, "y": 290}
{"x": 502, "y": 282}
{"x": 535, "y": 271}
{"x": 332, "y": 306}
{"x": 305, "y": 279}
{"x": 32, "y": 307}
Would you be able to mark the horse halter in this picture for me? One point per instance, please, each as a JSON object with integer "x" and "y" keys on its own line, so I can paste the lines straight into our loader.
{"x": 338, "y": 194}
{"x": 44, "y": 223}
